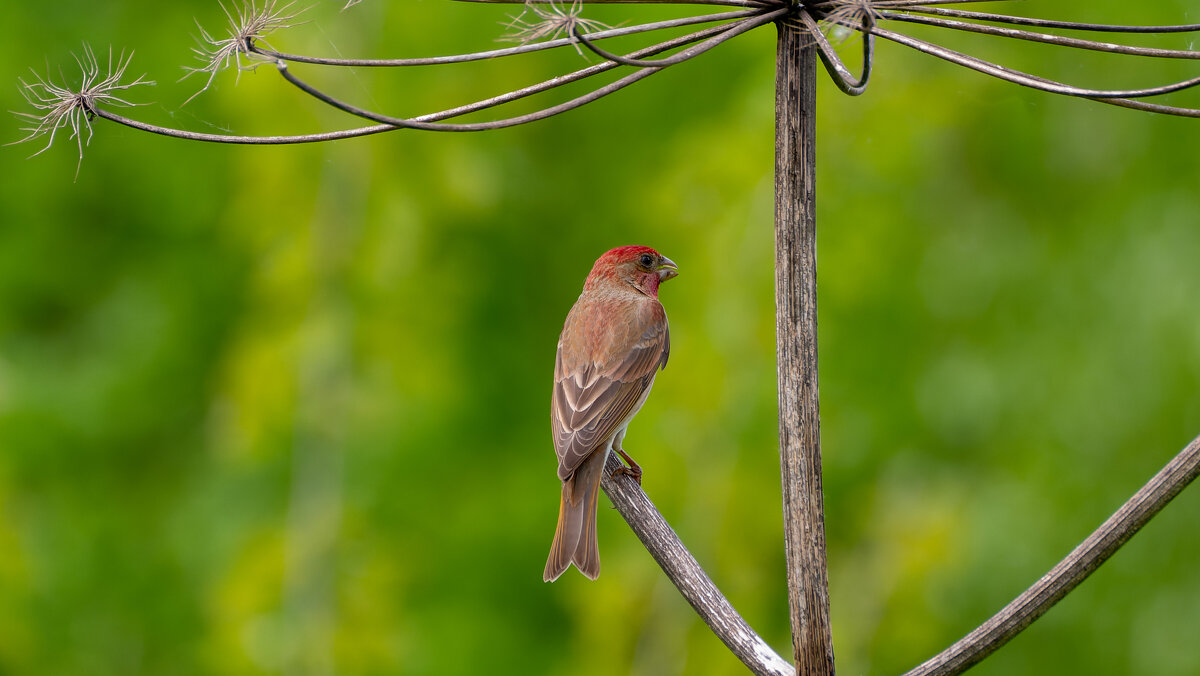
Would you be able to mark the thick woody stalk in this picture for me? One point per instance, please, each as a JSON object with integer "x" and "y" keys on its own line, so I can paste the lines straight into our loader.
{"x": 796, "y": 336}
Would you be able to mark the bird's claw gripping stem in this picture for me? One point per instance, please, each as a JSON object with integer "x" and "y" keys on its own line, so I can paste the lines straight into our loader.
{"x": 634, "y": 470}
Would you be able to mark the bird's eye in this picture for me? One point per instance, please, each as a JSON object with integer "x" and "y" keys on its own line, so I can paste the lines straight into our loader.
{"x": 646, "y": 260}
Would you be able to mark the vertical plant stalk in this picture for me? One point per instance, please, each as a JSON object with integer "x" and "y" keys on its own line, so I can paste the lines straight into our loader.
{"x": 796, "y": 337}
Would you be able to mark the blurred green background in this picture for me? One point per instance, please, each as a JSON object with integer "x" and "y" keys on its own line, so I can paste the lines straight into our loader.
{"x": 285, "y": 410}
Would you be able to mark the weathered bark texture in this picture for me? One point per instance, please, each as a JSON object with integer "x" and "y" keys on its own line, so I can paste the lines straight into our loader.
{"x": 687, "y": 575}
{"x": 796, "y": 336}
{"x": 1071, "y": 571}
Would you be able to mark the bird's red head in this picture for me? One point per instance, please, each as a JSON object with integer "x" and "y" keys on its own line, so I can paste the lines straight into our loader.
{"x": 639, "y": 266}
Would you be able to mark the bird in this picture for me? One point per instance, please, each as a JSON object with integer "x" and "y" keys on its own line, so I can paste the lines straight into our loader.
{"x": 613, "y": 343}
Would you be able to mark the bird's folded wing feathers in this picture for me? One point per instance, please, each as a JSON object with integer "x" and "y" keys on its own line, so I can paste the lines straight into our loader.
{"x": 593, "y": 400}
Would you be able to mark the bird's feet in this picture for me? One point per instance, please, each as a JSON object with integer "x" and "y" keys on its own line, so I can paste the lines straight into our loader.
{"x": 634, "y": 470}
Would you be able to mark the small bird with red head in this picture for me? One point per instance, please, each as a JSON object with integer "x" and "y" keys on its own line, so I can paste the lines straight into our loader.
{"x": 613, "y": 343}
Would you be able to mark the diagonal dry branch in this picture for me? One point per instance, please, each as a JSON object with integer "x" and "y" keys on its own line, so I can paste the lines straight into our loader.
{"x": 1071, "y": 571}
{"x": 687, "y": 575}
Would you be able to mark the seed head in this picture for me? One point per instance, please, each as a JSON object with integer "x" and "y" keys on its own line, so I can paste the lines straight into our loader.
{"x": 62, "y": 107}
{"x": 249, "y": 24}
{"x": 551, "y": 23}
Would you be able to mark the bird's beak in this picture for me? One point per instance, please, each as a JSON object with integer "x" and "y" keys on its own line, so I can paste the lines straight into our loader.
{"x": 667, "y": 269}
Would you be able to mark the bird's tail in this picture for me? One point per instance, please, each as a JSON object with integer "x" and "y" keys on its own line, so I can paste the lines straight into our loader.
{"x": 575, "y": 537}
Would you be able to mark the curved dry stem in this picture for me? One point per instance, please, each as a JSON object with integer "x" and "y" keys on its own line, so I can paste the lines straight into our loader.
{"x": 1041, "y": 23}
{"x": 688, "y": 577}
{"x": 240, "y": 140}
{"x": 1044, "y": 38}
{"x": 410, "y": 123}
{"x": 424, "y": 121}
{"x": 1025, "y": 79}
{"x": 1146, "y": 106}
{"x": 921, "y": 3}
{"x": 508, "y": 51}
{"x": 733, "y": 31}
{"x": 582, "y": 39}
{"x": 838, "y": 72}
{"x": 1071, "y": 571}
{"x": 727, "y": 3}
{"x": 575, "y": 76}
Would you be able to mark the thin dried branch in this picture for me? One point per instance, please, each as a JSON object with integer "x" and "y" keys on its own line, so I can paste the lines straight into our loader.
{"x": 917, "y": 3}
{"x": 425, "y": 121}
{"x": 729, "y": 30}
{"x": 241, "y": 140}
{"x": 659, "y": 63}
{"x": 1071, "y": 571}
{"x": 62, "y": 107}
{"x": 1042, "y": 23}
{"x": 845, "y": 13}
{"x": 837, "y": 70}
{"x": 509, "y": 51}
{"x": 758, "y": 4}
{"x": 1148, "y": 107}
{"x": 575, "y": 76}
{"x": 686, "y": 574}
{"x": 1025, "y": 79}
{"x": 1044, "y": 38}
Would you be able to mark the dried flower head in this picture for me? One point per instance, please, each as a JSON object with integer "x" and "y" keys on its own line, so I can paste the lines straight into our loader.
{"x": 251, "y": 23}
{"x": 551, "y": 20}
{"x": 63, "y": 107}
{"x": 840, "y": 18}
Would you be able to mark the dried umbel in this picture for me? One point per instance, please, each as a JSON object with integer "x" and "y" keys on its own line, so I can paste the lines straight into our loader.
{"x": 551, "y": 24}
{"x": 247, "y": 26}
{"x": 61, "y": 107}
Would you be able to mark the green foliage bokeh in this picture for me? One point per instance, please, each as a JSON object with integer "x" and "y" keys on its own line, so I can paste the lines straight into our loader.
{"x": 284, "y": 410}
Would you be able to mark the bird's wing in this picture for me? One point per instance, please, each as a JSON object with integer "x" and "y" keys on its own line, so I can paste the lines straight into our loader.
{"x": 594, "y": 395}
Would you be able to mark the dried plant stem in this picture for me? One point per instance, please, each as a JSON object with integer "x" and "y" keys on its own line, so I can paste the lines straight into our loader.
{"x": 1152, "y": 107}
{"x": 727, "y": 3}
{"x": 1071, "y": 571}
{"x": 686, "y": 574}
{"x": 796, "y": 339}
{"x": 427, "y": 122}
{"x": 1048, "y": 23}
{"x": 906, "y": 4}
{"x": 571, "y": 77}
{"x": 1044, "y": 38}
{"x": 1025, "y": 79}
{"x": 834, "y": 65}
{"x": 723, "y": 33}
{"x": 583, "y": 39}
{"x": 508, "y": 51}
{"x": 240, "y": 140}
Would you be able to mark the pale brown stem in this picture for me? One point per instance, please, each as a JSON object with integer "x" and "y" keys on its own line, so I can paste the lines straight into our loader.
{"x": 796, "y": 337}
{"x": 1071, "y": 571}
{"x": 686, "y": 574}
